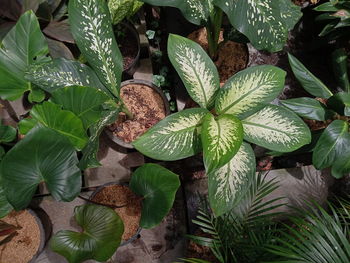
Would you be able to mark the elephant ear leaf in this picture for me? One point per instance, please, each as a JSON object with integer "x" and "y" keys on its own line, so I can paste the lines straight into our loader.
{"x": 158, "y": 187}
{"x": 7, "y": 133}
{"x": 5, "y": 206}
{"x": 265, "y": 22}
{"x": 196, "y": 69}
{"x": 42, "y": 156}
{"x": 91, "y": 27}
{"x": 23, "y": 46}
{"x": 101, "y": 235}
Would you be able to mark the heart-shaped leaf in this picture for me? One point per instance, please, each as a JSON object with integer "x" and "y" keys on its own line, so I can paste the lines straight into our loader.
{"x": 196, "y": 69}
{"x": 84, "y": 102}
{"x": 265, "y": 22}
{"x": 91, "y": 27}
{"x": 173, "y": 138}
{"x": 158, "y": 187}
{"x": 221, "y": 139}
{"x": 228, "y": 184}
{"x": 332, "y": 145}
{"x": 249, "y": 90}
{"x": 101, "y": 235}
{"x": 22, "y": 46}
{"x": 277, "y": 129}
{"x": 63, "y": 121}
{"x": 7, "y": 133}
{"x": 310, "y": 83}
{"x": 42, "y": 156}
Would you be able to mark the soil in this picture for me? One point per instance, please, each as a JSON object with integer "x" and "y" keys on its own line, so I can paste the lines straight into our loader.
{"x": 232, "y": 56}
{"x": 128, "y": 46}
{"x": 130, "y": 214}
{"x": 201, "y": 252}
{"x": 24, "y": 246}
{"x": 147, "y": 107}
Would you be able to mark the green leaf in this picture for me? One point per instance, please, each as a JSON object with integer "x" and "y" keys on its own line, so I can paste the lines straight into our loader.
{"x": 100, "y": 238}
{"x": 25, "y": 125}
{"x": 341, "y": 166}
{"x": 7, "y": 133}
{"x": 340, "y": 102}
{"x": 42, "y": 156}
{"x": 119, "y": 9}
{"x": 326, "y": 7}
{"x": 173, "y": 138}
{"x": 308, "y": 108}
{"x": 195, "y": 11}
{"x": 22, "y": 46}
{"x": 249, "y": 90}
{"x": 309, "y": 82}
{"x": 84, "y": 102}
{"x": 332, "y": 145}
{"x": 62, "y": 121}
{"x": 221, "y": 138}
{"x": 340, "y": 68}
{"x": 197, "y": 71}
{"x": 61, "y": 73}
{"x": 228, "y": 184}
{"x": 89, "y": 159}
{"x": 158, "y": 187}
{"x": 36, "y": 95}
{"x": 277, "y": 129}
{"x": 91, "y": 27}
{"x": 5, "y": 207}
{"x": 265, "y": 22}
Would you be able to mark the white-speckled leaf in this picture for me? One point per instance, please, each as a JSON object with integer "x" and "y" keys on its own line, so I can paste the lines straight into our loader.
{"x": 195, "y": 11}
{"x": 249, "y": 90}
{"x": 277, "y": 129}
{"x": 195, "y": 68}
{"x": 91, "y": 27}
{"x": 265, "y": 22}
{"x": 60, "y": 73}
{"x": 173, "y": 138}
{"x": 221, "y": 139}
{"x": 228, "y": 184}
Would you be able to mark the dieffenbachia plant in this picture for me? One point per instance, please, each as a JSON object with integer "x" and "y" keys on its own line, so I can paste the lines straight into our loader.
{"x": 265, "y": 22}
{"x": 226, "y": 118}
{"x": 332, "y": 147}
{"x": 121, "y": 9}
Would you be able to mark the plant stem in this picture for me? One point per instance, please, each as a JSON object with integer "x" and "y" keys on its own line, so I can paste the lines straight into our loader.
{"x": 126, "y": 111}
{"x": 97, "y": 203}
{"x": 213, "y": 32}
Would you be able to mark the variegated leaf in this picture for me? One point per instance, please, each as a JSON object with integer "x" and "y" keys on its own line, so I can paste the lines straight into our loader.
{"x": 196, "y": 69}
{"x": 60, "y": 73}
{"x": 221, "y": 139}
{"x": 249, "y": 90}
{"x": 91, "y": 27}
{"x": 173, "y": 138}
{"x": 62, "y": 121}
{"x": 120, "y": 9}
{"x": 195, "y": 11}
{"x": 277, "y": 129}
{"x": 227, "y": 185}
{"x": 265, "y": 22}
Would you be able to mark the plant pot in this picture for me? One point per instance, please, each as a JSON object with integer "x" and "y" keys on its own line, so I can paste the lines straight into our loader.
{"x": 153, "y": 95}
{"x": 129, "y": 45}
{"x": 130, "y": 214}
{"x": 21, "y": 248}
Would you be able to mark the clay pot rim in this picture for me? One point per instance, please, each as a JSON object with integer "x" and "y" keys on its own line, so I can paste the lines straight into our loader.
{"x": 136, "y": 235}
{"x": 116, "y": 139}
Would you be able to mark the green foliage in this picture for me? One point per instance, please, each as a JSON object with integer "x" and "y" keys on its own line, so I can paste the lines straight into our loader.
{"x": 242, "y": 102}
{"x": 101, "y": 235}
{"x": 121, "y": 9}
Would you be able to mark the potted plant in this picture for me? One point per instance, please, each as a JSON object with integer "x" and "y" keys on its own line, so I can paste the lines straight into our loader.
{"x": 144, "y": 203}
{"x": 226, "y": 116}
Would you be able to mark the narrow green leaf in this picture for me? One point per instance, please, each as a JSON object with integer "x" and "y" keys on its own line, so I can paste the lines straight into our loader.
{"x": 158, "y": 186}
{"x": 100, "y": 238}
{"x": 42, "y": 156}
{"x": 173, "y": 138}
{"x": 277, "y": 129}
{"x": 197, "y": 71}
{"x": 62, "y": 121}
{"x": 309, "y": 82}
{"x": 249, "y": 90}
{"x": 221, "y": 138}
{"x": 229, "y": 184}
{"x": 308, "y": 108}
{"x": 340, "y": 68}
{"x": 91, "y": 27}
{"x": 340, "y": 102}
{"x": 326, "y": 7}
{"x": 265, "y": 22}
{"x": 332, "y": 145}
